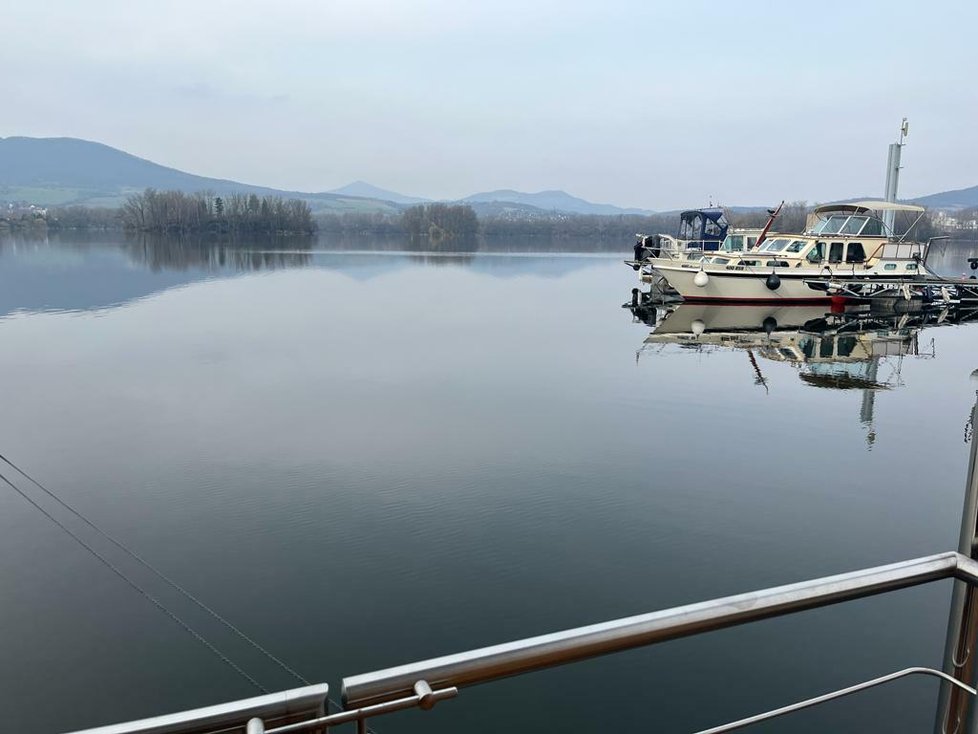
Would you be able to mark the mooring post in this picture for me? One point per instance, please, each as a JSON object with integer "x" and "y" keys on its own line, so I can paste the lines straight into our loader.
{"x": 956, "y": 712}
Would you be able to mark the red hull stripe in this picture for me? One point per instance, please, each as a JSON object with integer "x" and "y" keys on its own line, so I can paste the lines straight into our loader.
{"x": 815, "y": 300}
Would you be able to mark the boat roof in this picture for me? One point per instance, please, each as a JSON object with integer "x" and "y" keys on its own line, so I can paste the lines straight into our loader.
{"x": 868, "y": 205}
{"x": 711, "y": 212}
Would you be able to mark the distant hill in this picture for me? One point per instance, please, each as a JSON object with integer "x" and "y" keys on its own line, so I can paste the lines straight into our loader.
{"x": 58, "y": 171}
{"x": 64, "y": 171}
{"x": 369, "y": 191}
{"x": 956, "y": 199}
{"x": 559, "y": 201}
{"x": 510, "y": 210}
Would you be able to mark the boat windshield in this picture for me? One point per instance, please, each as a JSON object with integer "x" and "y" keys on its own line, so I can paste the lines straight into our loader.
{"x": 831, "y": 225}
{"x": 853, "y": 225}
{"x": 775, "y": 245}
{"x": 845, "y": 224}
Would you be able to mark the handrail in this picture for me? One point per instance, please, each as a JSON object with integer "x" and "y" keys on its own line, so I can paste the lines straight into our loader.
{"x": 534, "y": 653}
{"x": 808, "y": 702}
{"x": 423, "y": 698}
{"x": 283, "y": 706}
{"x": 423, "y": 684}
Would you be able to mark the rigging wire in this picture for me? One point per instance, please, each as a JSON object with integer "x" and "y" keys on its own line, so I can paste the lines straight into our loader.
{"x": 149, "y": 597}
{"x": 146, "y": 564}
{"x": 143, "y": 562}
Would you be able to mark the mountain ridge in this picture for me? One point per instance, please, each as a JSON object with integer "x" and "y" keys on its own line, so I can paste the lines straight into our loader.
{"x": 365, "y": 190}
{"x": 66, "y": 171}
{"x": 553, "y": 200}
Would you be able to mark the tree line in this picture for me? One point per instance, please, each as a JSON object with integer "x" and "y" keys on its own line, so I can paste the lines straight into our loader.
{"x": 438, "y": 222}
{"x": 177, "y": 212}
{"x": 430, "y": 223}
{"x": 204, "y": 213}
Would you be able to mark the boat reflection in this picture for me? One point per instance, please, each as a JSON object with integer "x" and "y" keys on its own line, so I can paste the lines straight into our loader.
{"x": 854, "y": 349}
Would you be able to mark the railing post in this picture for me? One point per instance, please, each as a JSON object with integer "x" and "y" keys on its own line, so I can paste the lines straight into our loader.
{"x": 955, "y": 712}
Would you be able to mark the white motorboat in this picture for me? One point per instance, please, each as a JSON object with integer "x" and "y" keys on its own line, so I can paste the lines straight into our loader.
{"x": 701, "y": 231}
{"x": 844, "y": 243}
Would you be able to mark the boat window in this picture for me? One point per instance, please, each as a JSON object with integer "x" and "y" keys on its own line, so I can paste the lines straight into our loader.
{"x": 825, "y": 348}
{"x": 817, "y": 253}
{"x": 853, "y": 225}
{"x": 796, "y": 246}
{"x": 847, "y": 345}
{"x": 777, "y": 263}
{"x": 807, "y": 346}
{"x": 889, "y": 266}
{"x": 873, "y": 228}
{"x": 751, "y": 241}
{"x": 734, "y": 243}
{"x": 911, "y": 266}
{"x": 774, "y": 245}
{"x": 691, "y": 228}
{"x": 711, "y": 228}
{"x": 855, "y": 253}
{"x": 721, "y": 260}
{"x": 835, "y": 252}
{"x": 749, "y": 263}
{"x": 832, "y": 225}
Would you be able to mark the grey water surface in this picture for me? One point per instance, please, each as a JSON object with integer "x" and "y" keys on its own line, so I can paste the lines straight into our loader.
{"x": 364, "y": 458}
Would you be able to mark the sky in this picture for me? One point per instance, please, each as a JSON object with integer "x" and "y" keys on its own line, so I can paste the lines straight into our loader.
{"x": 658, "y": 105}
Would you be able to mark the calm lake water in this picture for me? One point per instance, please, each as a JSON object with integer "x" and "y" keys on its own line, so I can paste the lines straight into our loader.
{"x": 368, "y": 458}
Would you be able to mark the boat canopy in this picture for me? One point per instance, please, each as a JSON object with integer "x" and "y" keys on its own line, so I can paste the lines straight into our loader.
{"x": 869, "y": 205}
{"x": 708, "y": 226}
{"x": 855, "y": 218}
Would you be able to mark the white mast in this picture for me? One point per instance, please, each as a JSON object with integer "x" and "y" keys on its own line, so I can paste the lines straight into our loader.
{"x": 893, "y": 174}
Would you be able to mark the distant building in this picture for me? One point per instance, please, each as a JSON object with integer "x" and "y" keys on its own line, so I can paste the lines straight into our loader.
{"x": 963, "y": 221}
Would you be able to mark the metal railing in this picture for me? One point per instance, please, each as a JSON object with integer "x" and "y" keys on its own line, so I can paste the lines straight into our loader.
{"x": 283, "y": 707}
{"x": 422, "y": 684}
{"x": 857, "y": 688}
{"x": 423, "y": 697}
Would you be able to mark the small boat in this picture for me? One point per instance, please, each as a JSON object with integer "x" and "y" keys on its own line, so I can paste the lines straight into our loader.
{"x": 700, "y": 231}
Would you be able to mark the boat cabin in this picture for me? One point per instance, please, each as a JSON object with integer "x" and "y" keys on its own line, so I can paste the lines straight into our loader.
{"x": 740, "y": 240}
{"x": 839, "y": 235}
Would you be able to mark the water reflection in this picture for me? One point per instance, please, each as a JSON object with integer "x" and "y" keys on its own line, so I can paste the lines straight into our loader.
{"x": 182, "y": 253}
{"x": 860, "y": 348}
{"x": 92, "y": 271}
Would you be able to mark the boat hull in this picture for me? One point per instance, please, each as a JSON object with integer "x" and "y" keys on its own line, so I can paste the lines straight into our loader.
{"x": 743, "y": 287}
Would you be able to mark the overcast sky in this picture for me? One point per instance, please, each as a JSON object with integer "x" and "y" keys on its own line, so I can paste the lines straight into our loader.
{"x": 651, "y": 104}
